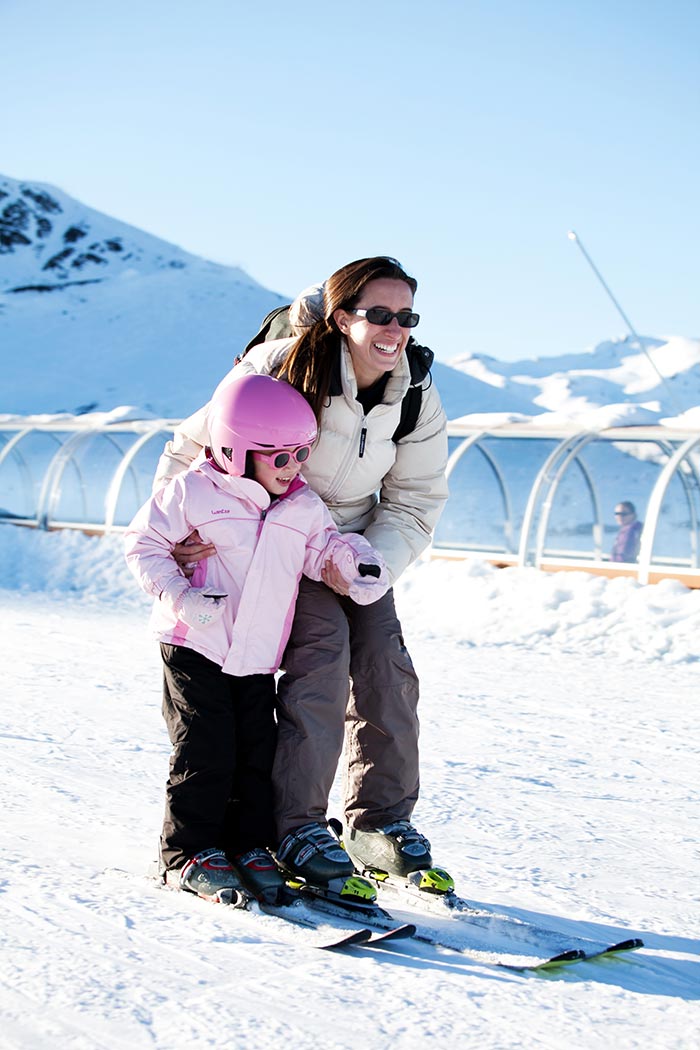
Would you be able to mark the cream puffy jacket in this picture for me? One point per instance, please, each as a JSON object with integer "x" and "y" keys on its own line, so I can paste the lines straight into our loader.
{"x": 394, "y": 492}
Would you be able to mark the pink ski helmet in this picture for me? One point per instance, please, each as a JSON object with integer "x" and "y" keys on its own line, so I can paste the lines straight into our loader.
{"x": 254, "y": 413}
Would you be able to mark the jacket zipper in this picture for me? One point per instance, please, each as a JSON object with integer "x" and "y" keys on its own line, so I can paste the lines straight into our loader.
{"x": 348, "y": 461}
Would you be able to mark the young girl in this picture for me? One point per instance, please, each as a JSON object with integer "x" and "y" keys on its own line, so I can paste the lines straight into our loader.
{"x": 223, "y": 632}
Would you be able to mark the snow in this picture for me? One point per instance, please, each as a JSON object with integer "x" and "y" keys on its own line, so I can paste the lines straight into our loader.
{"x": 558, "y": 714}
{"x": 604, "y": 416}
{"x": 559, "y": 769}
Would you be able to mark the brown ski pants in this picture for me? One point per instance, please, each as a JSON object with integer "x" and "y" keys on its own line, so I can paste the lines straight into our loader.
{"x": 333, "y": 641}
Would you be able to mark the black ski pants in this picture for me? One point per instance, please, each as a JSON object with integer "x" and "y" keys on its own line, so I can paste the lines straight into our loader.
{"x": 223, "y": 732}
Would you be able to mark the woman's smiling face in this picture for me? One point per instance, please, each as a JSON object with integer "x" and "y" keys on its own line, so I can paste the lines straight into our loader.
{"x": 376, "y": 349}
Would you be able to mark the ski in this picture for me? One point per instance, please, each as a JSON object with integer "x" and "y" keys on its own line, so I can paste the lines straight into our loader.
{"x": 488, "y": 955}
{"x": 577, "y": 955}
{"x": 490, "y": 950}
{"x": 409, "y": 890}
{"x": 633, "y": 944}
{"x": 364, "y": 938}
{"x": 479, "y": 932}
{"x": 292, "y": 912}
{"x": 399, "y": 933}
{"x": 386, "y": 939}
{"x": 318, "y": 899}
{"x": 295, "y": 914}
{"x": 487, "y": 937}
{"x": 348, "y": 940}
{"x": 467, "y": 927}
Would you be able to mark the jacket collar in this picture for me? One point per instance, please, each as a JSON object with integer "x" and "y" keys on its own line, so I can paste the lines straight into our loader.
{"x": 243, "y": 488}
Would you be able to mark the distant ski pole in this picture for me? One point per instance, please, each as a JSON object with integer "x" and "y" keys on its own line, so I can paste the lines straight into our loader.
{"x": 573, "y": 236}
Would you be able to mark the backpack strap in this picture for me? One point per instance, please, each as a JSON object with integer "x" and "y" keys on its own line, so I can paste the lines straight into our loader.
{"x": 420, "y": 359}
{"x": 275, "y": 326}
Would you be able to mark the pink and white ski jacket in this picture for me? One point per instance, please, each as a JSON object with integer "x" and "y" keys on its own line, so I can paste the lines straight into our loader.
{"x": 263, "y": 548}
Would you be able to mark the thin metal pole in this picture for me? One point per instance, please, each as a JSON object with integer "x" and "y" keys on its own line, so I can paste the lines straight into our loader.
{"x": 573, "y": 236}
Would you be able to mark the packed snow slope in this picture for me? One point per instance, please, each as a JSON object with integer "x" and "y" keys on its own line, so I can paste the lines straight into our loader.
{"x": 95, "y": 314}
{"x": 559, "y": 784}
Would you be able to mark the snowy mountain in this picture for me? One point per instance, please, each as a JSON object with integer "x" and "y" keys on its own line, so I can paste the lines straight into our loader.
{"x": 95, "y": 314}
{"x": 615, "y": 383}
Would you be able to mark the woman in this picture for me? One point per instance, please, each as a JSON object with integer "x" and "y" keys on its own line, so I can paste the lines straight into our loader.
{"x": 353, "y": 367}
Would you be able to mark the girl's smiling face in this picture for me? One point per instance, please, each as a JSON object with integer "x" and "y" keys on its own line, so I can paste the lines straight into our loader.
{"x": 278, "y": 479}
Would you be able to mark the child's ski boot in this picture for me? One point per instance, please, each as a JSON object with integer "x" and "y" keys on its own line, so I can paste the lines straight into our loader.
{"x": 211, "y": 875}
{"x": 261, "y": 876}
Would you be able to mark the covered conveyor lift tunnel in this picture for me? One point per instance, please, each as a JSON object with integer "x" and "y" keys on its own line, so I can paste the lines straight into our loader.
{"x": 657, "y": 467}
{"x": 78, "y": 475}
{"x": 520, "y": 493}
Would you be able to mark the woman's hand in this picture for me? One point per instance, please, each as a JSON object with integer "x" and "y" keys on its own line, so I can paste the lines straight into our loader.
{"x": 190, "y": 551}
{"x": 334, "y": 579}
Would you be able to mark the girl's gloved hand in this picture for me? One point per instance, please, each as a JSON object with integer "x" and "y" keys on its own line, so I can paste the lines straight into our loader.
{"x": 364, "y": 571}
{"x": 193, "y": 606}
{"x": 371, "y": 584}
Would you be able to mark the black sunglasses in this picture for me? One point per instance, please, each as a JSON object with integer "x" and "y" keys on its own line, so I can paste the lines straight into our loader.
{"x": 381, "y": 316}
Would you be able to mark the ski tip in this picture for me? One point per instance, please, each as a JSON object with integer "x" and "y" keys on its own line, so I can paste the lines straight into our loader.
{"x": 630, "y": 945}
{"x": 357, "y": 937}
{"x": 396, "y": 933}
{"x": 544, "y": 965}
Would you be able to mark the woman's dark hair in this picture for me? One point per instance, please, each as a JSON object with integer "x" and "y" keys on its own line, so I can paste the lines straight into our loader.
{"x": 311, "y": 359}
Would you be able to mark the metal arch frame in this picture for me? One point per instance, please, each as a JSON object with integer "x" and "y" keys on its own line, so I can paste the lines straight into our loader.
{"x": 691, "y": 505}
{"x": 463, "y": 447}
{"x": 459, "y": 452}
{"x": 51, "y": 488}
{"x": 653, "y": 510}
{"x": 663, "y": 446}
{"x": 644, "y": 567}
{"x": 11, "y": 446}
{"x": 115, "y": 485}
{"x": 546, "y": 506}
{"x": 567, "y": 448}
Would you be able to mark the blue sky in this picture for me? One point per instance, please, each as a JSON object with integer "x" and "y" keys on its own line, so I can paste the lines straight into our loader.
{"x": 463, "y": 137}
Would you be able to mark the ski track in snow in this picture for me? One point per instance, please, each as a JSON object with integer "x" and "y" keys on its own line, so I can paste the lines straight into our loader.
{"x": 559, "y": 785}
